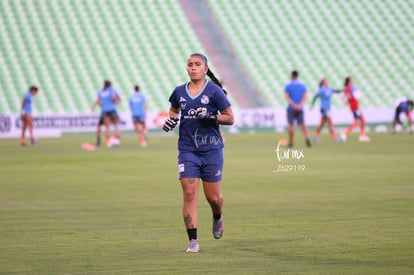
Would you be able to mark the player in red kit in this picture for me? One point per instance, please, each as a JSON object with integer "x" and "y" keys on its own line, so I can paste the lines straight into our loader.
{"x": 352, "y": 94}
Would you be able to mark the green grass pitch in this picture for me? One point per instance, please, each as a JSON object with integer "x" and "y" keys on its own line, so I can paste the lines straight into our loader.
{"x": 344, "y": 208}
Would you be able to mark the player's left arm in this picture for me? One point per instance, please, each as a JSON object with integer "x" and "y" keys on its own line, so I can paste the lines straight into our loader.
{"x": 22, "y": 110}
{"x": 225, "y": 117}
{"x": 302, "y": 102}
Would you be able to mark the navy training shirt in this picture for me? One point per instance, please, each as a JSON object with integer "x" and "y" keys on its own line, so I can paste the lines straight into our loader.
{"x": 196, "y": 134}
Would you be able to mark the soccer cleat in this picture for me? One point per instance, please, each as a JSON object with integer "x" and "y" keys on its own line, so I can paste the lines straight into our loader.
{"x": 34, "y": 141}
{"x": 343, "y": 136}
{"x": 316, "y": 139}
{"x": 218, "y": 228}
{"x": 193, "y": 246}
{"x": 308, "y": 143}
{"x": 364, "y": 139}
{"x": 23, "y": 142}
{"x": 338, "y": 139}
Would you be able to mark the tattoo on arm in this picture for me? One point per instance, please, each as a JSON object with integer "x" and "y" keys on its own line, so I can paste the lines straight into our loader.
{"x": 225, "y": 117}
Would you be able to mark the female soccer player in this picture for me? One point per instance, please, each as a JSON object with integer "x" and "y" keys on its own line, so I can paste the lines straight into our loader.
{"x": 403, "y": 106}
{"x": 200, "y": 106}
{"x": 325, "y": 93}
{"x": 351, "y": 94}
{"x": 108, "y": 98}
{"x": 137, "y": 105}
{"x": 26, "y": 113}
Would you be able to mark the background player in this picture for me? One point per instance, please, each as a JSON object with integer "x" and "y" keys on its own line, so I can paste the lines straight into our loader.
{"x": 201, "y": 106}
{"x": 403, "y": 106}
{"x": 352, "y": 94}
{"x": 137, "y": 105}
{"x": 325, "y": 93}
{"x": 26, "y": 114}
{"x": 296, "y": 94}
{"x": 108, "y": 98}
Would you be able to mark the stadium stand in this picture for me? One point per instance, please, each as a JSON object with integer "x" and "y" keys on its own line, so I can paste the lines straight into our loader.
{"x": 366, "y": 39}
{"x": 68, "y": 47}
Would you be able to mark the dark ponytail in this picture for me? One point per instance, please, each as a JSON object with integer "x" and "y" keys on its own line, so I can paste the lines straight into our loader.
{"x": 321, "y": 82}
{"x": 347, "y": 79}
{"x": 213, "y": 78}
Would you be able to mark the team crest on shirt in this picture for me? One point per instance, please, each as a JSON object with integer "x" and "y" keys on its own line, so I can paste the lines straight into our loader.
{"x": 205, "y": 99}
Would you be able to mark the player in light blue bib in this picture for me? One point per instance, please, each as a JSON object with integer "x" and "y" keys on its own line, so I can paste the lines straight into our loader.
{"x": 26, "y": 115}
{"x": 137, "y": 105}
{"x": 296, "y": 95}
{"x": 325, "y": 93}
{"x": 108, "y": 98}
{"x": 201, "y": 106}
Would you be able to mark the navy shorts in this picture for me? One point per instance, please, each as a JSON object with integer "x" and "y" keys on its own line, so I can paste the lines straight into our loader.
{"x": 325, "y": 113}
{"x": 293, "y": 115}
{"x": 110, "y": 114}
{"x": 357, "y": 114}
{"x": 138, "y": 119}
{"x": 398, "y": 112}
{"x": 206, "y": 165}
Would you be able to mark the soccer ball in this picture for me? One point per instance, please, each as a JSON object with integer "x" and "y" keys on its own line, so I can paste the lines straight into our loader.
{"x": 114, "y": 141}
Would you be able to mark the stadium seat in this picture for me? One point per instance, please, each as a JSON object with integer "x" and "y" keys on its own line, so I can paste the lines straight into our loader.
{"x": 322, "y": 38}
{"x": 68, "y": 48}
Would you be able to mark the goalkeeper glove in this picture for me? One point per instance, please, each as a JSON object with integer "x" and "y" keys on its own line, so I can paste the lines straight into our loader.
{"x": 170, "y": 124}
{"x": 201, "y": 113}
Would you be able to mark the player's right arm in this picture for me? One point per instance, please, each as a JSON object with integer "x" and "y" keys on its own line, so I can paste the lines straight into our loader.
{"x": 96, "y": 103}
{"x": 289, "y": 100}
{"x": 22, "y": 110}
{"x": 172, "y": 120}
{"x": 174, "y": 112}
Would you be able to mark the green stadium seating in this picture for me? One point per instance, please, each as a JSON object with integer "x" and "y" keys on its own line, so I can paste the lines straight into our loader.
{"x": 369, "y": 40}
{"x": 68, "y": 48}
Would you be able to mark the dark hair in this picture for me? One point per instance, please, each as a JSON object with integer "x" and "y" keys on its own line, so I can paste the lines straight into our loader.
{"x": 136, "y": 88}
{"x": 33, "y": 88}
{"x": 347, "y": 79}
{"x": 295, "y": 74}
{"x": 107, "y": 84}
{"x": 202, "y": 56}
{"x": 321, "y": 82}
{"x": 209, "y": 73}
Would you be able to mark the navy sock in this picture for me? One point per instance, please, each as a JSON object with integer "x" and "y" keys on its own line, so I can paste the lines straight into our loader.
{"x": 192, "y": 233}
